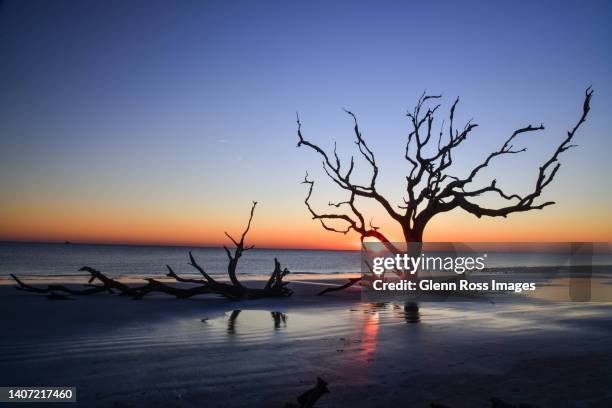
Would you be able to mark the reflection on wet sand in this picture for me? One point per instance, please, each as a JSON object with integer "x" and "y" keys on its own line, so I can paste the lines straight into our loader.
{"x": 279, "y": 319}
{"x": 231, "y": 321}
{"x": 368, "y": 332}
{"x": 368, "y": 329}
{"x": 375, "y": 314}
{"x": 409, "y": 311}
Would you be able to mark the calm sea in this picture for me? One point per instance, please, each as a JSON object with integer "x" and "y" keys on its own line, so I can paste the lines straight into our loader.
{"x": 132, "y": 260}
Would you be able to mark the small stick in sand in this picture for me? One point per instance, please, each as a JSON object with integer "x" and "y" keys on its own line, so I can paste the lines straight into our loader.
{"x": 308, "y": 399}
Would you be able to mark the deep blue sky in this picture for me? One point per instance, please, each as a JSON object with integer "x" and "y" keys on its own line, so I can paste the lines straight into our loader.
{"x": 118, "y": 115}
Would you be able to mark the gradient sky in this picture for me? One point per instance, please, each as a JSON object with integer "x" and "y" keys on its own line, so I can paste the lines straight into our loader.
{"x": 159, "y": 122}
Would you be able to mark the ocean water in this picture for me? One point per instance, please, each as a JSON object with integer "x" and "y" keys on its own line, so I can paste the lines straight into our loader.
{"x": 27, "y": 259}
{"x": 45, "y": 259}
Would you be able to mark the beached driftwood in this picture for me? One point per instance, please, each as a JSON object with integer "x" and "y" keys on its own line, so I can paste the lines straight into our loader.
{"x": 310, "y": 397}
{"x": 430, "y": 188}
{"x": 235, "y": 290}
{"x": 50, "y": 289}
{"x": 350, "y": 283}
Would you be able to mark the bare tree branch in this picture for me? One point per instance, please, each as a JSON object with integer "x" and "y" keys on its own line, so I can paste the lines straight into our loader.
{"x": 430, "y": 188}
{"x": 275, "y": 286}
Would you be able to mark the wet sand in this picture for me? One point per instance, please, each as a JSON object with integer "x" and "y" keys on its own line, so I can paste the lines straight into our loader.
{"x": 211, "y": 352}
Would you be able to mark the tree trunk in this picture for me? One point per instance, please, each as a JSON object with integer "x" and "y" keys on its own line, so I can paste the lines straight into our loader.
{"x": 414, "y": 234}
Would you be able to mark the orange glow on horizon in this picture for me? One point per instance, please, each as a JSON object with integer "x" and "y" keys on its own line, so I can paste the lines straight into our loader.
{"x": 321, "y": 240}
{"x": 273, "y": 228}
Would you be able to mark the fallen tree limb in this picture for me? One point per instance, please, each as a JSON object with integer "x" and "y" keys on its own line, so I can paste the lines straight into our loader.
{"x": 310, "y": 397}
{"x": 350, "y": 283}
{"x": 274, "y": 287}
{"x": 59, "y": 288}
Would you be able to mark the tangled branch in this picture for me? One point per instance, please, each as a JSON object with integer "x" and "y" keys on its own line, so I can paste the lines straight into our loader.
{"x": 274, "y": 287}
{"x": 430, "y": 188}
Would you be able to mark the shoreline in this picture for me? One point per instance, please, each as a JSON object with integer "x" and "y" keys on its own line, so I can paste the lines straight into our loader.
{"x": 161, "y": 351}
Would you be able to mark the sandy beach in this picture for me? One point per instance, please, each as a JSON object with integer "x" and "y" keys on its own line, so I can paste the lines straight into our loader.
{"x": 315, "y": 204}
{"x": 209, "y": 351}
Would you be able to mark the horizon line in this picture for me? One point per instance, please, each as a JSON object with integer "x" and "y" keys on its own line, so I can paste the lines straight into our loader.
{"x": 169, "y": 245}
{"x": 220, "y": 246}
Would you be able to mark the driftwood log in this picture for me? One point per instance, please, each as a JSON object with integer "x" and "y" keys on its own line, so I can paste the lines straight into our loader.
{"x": 310, "y": 397}
{"x": 235, "y": 290}
{"x": 350, "y": 283}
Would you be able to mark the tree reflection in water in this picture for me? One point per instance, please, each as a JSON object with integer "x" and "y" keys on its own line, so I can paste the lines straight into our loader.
{"x": 411, "y": 312}
{"x": 231, "y": 321}
{"x": 279, "y": 321}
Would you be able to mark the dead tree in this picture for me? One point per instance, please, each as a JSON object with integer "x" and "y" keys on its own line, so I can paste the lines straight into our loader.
{"x": 430, "y": 187}
{"x": 274, "y": 287}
